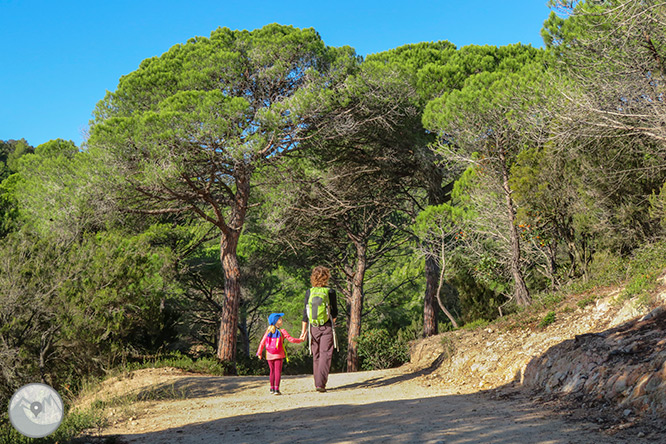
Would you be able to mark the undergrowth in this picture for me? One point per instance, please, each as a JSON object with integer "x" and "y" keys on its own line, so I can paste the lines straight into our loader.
{"x": 73, "y": 424}
{"x": 638, "y": 275}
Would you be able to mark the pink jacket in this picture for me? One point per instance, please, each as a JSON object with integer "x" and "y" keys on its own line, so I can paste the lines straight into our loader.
{"x": 281, "y": 355}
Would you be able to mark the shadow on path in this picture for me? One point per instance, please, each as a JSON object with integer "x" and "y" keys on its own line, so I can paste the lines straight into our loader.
{"x": 388, "y": 381}
{"x": 189, "y": 387}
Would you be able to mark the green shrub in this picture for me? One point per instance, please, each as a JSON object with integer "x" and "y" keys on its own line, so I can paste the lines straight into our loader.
{"x": 606, "y": 268}
{"x": 643, "y": 271}
{"x": 649, "y": 259}
{"x": 639, "y": 286}
{"x": 72, "y": 425}
{"x": 587, "y": 301}
{"x": 548, "y": 319}
{"x": 378, "y": 349}
{"x": 204, "y": 364}
{"x": 550, "y": 300}
{"x": 479, "y": 323}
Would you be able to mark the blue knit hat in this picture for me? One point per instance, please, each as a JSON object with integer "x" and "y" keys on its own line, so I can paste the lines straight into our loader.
{"x": 273, "y": 318}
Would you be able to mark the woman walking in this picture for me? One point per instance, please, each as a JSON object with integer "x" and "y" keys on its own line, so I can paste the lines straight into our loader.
{"x": 320, "y": 312}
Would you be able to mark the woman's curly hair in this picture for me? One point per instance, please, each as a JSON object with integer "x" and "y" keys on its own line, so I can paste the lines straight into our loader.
{"x": 320, "y": 276}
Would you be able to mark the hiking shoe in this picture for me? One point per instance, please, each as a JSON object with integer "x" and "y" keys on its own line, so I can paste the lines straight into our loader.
{"x": 277, "y": 392}
{"x": 321, "y": 389}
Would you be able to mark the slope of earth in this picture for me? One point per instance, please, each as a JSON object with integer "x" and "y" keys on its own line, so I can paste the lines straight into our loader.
{"x": 603, "y": 362}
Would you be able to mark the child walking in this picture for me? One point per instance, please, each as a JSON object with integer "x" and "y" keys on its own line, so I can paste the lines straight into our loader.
{"x": 273, "y": 340}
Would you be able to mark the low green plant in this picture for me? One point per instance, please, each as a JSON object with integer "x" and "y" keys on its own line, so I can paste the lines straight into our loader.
{"x": 72, "y": 425}
{"x": 205, "y": 364}
{"x": 606, "y": 268}
{"x": 547, "y": 320}
{"x": 550, "y": 300}
{"x": 639, "y": 286}
{"x": 587, "y": 300}
{"x": 643, "y": 271}
{"x": 479, "y": 323}
{"x": 649, "y": 259}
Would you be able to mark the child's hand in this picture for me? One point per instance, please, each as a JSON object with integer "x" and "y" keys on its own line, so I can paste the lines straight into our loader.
{"x": 259, "y": 356}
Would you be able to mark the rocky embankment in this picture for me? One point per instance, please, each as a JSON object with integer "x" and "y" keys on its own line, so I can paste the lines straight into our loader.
{"x": 623, "y": 367}
{"x": 604, "y": 357}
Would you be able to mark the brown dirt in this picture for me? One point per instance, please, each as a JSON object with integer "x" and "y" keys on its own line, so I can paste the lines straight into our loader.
{"x": 392, "y": 406}
{"x": 461, "y": 387}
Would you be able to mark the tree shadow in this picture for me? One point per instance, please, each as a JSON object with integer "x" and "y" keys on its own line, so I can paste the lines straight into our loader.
{"x": 390, "y": 380}
{"x": 190, "y": 387}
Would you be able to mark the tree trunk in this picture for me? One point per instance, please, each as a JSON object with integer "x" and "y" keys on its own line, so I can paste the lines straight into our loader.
{"x": 429, "y": 304}
{"x": 226, "y": 348}
{"x": 356, "y": 308}
{"x": 436, "y": 196}
{"x": 440, "y": 283}
{"x": 520, "y": 289}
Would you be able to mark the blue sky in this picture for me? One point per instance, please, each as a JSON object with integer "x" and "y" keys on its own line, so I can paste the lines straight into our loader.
{"x": 60, "y": 57}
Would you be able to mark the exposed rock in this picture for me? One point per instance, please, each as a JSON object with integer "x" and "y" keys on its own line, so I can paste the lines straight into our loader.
{"x": 625, "y": 366}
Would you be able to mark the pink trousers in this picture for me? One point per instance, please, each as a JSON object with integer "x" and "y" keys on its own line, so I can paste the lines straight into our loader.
{"x": 275, "y": 367}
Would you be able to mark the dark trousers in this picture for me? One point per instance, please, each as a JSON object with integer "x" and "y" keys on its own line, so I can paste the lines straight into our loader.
{"x": 275, "y": 367}
{"x": 322, "y": 352}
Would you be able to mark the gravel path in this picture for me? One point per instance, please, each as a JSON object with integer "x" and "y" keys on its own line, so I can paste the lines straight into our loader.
{"x": 391, "y": 406}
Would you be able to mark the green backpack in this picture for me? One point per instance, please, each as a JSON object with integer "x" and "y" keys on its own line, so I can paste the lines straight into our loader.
{"x": 318, "y": 306}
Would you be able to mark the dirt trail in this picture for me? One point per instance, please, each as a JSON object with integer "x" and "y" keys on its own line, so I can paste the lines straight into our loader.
{"x": 392, "y": 406}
